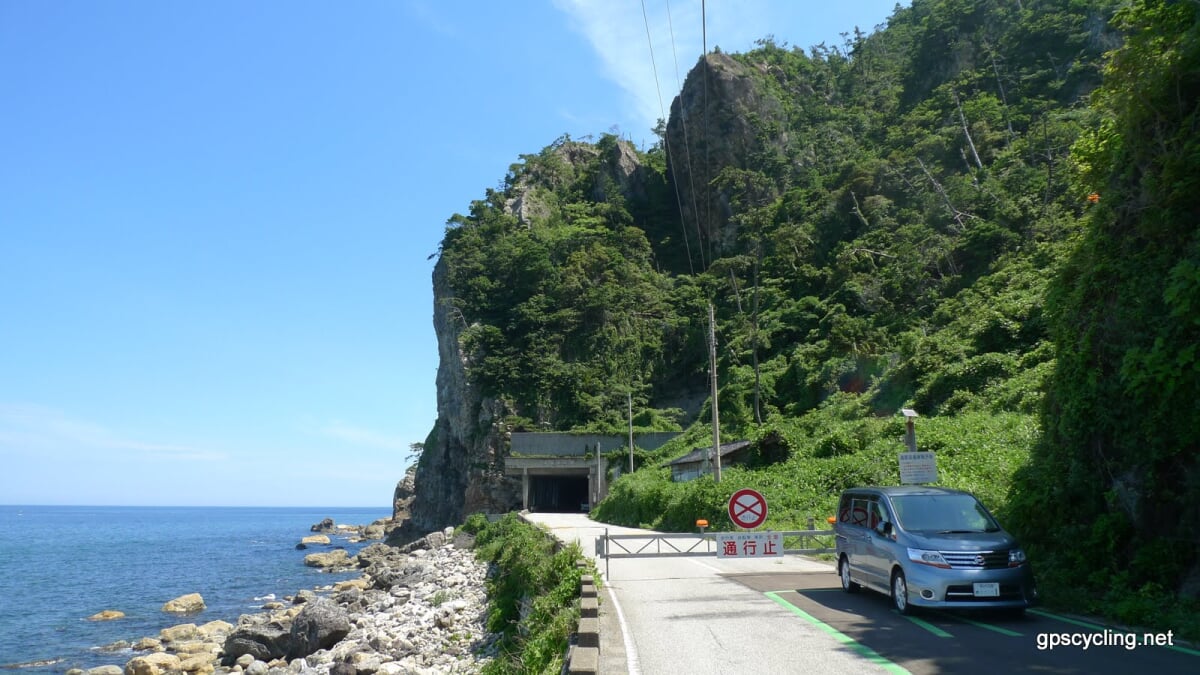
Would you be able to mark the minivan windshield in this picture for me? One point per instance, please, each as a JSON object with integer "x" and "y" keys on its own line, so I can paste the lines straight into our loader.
{"x": 944, "y": 514}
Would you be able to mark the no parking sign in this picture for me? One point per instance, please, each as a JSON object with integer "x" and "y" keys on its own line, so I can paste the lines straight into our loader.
{"x": 747, "y": 509}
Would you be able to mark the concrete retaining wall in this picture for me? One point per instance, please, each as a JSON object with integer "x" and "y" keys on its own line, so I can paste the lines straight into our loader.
{"x": 584, "y": 657}
{"x": 554, "y": 444}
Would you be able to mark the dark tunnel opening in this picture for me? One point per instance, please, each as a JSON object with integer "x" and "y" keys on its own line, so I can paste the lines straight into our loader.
{"x": 558, "y": 494}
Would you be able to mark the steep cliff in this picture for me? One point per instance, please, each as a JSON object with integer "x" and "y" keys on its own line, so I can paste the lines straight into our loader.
{"x": 557, "y": 216}
{"x": 725, "y": 116}
{"x": 460, "y": 470}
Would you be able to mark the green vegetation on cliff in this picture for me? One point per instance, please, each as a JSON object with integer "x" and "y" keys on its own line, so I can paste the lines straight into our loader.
{"x": 1111, "y": 498}
{"x": 972, "y": 212}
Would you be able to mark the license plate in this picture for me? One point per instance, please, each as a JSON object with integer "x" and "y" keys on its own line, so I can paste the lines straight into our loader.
{"x": 987, "y": 590}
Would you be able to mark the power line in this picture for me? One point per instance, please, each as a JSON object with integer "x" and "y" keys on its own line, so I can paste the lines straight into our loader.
{"x": 704, "y": 103}
{"x": 687, "y": 154}
{"x": 666, "y": 136}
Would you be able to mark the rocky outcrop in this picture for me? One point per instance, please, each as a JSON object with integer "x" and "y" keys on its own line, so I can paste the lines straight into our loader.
{"x": 337, "y": 558}
{"x": 718, "y": 121}
{"x": 621, "y": 174}
{"x": 461, "y": 469}
{"x": 179, "y": 633}
{"x": 402, "y": 496}
{"x": 185, "y": 604}
{"x": 464, "y": 455}
{"x": 107, "y": 615}
{"x": 261, "y": 638}
{"x": 320, "y": 625}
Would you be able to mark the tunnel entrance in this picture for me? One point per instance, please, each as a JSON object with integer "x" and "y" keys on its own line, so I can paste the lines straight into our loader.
{"x": 559, "y": 494}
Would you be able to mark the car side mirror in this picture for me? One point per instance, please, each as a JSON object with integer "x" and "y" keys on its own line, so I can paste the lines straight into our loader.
{"x": 884, "y": 528}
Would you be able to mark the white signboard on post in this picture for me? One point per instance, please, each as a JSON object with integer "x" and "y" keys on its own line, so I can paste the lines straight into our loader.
{"x": 749, "y": 544}
{"x": 918, "y": 467}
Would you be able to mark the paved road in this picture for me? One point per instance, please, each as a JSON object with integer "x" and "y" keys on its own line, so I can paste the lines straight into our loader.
{"x": 979, "y": 643}
{"x": 710, "y": 615}
{"x": 685, "y": 615}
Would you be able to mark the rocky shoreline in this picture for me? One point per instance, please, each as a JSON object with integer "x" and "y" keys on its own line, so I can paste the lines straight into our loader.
{"x": 417, "y": 609}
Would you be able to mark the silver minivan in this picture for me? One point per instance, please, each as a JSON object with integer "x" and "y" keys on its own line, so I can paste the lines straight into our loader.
{"x": 929, "y": 547}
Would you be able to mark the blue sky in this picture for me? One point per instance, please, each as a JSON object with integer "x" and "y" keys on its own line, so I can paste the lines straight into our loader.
{"x": 216, "y": 219}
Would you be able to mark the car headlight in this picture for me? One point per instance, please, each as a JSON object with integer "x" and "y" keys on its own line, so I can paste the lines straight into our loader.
{"x": 1016, "y": 557}
{"x": 932, "y": 558}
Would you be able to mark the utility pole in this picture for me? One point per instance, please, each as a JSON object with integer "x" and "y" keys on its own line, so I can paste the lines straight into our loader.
{"x": 630, "y": 432}
{"x": 716, "y": 417}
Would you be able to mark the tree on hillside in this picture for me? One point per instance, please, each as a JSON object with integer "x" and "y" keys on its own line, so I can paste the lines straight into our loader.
{"x": 1118, "y": 472}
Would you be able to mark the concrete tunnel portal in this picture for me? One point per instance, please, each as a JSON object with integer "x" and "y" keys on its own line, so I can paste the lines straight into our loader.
{"x": 560, "y": 472}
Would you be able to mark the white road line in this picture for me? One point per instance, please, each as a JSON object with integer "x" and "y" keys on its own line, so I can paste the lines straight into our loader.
{"x": 631, "y": 657}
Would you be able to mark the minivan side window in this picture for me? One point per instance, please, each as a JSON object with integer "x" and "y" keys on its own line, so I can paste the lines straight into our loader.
{"x": 857, "y": 510}
{"x": 878, "y": 514}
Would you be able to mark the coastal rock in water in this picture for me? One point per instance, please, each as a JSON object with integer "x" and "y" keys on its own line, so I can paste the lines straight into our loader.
{"x": 105, "y": 670}
{"x": 185, "y": 604}
{"x": 148, "y": 644}
{"x": 334, "y": 558}
{"x": 152, "y": 664}
{"x": 322, "y": 539}
{"x": 107, "y": 615}
{"x": 323, "y": 526}
{"x": 320, "y": 625}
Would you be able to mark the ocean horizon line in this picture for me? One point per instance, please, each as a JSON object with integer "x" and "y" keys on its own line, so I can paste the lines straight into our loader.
{"x": 196, "y": 506}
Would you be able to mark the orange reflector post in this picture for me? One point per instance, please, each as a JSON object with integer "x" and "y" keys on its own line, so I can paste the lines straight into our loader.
{"x": 701, "y": 523}
{"x": 831, "y": 520}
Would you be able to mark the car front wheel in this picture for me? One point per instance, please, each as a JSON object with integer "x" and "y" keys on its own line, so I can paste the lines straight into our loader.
{"x": 844, "y": 572}
{"x": 900, "y": 593}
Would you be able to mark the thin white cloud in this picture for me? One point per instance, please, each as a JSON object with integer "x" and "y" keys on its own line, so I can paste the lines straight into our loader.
{"x": 31, "y": 428}
{"x": 616, "y": 30}
{"x": 429, "y": 17}
{"x": 365, "y": 437}
{"x": 617, "y": 33}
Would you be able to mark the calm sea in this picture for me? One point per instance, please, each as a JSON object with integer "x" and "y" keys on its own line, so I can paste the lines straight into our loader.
{"x": 62, "y": 564}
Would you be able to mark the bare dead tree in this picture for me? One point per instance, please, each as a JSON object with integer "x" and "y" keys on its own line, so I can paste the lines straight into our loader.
{"x": 1003, "y": 96}
{"x": 966, "y": 130}
{"x": 957, "y": 215}
{"x": 858, "y": 211}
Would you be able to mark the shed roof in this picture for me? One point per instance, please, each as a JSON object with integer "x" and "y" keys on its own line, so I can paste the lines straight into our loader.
{"x": 698, "y": 454}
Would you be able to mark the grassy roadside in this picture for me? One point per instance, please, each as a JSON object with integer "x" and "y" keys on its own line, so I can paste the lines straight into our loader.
{"x": 533, "y": 589}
